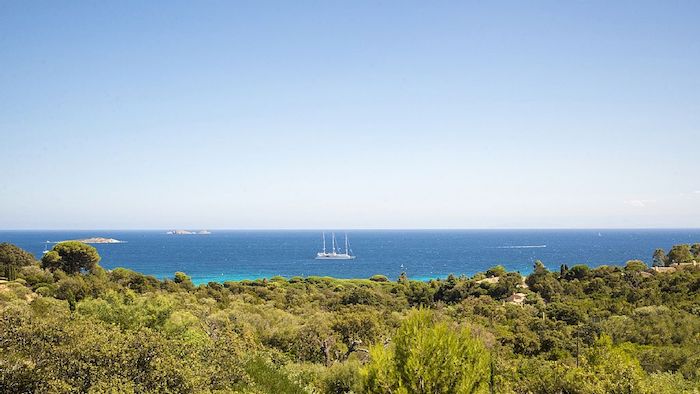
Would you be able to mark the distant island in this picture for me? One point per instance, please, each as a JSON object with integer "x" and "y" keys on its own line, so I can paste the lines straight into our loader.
{"x": 96, "y": 240}
{"x": 188, "y": 232}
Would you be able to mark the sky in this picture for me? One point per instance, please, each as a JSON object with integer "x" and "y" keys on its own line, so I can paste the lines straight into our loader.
{"x": 337, "y": 114}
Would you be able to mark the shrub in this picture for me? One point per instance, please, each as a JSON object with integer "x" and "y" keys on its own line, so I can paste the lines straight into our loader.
{"x": 428, "y": 357}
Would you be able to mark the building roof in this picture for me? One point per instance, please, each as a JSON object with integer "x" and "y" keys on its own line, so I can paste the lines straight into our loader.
{"x": 516, "y": 298}
{"x": 492, "y": 280}
{"x": 664, "y": 270}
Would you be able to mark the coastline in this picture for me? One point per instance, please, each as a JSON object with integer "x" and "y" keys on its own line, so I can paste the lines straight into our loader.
{"x": 203, "y": 280}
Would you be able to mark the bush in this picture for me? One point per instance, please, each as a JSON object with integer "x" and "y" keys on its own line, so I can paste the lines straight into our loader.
{"x": 35, "y": 275}
{"x": 71, "y": 257}
{"x": 183, "y": 280}
{"x": 15, "y": 256}
{"x": 428, "y": 357}
{"x": 635, "y": 266}
{"x": 498, "y": 270}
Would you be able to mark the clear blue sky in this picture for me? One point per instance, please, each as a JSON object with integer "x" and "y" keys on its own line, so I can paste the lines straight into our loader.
{"x": 338, "y": 114}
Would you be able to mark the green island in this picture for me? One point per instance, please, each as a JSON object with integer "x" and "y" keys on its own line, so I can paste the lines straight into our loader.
{"x": 69, "y": 326}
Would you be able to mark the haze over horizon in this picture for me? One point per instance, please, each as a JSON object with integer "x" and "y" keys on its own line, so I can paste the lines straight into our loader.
{"x": 349, "y": 115}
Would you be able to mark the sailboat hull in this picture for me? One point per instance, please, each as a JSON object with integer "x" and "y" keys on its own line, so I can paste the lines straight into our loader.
{"x": 329, "y": 256}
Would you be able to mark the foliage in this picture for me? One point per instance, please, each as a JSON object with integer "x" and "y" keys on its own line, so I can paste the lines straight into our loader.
{"x": 695, "y": 249}
{"x": 659, "y": 258}
{"x": 544, "y": 282}
{"x": 635, "y": 266}
{"x": 498, "y": 270}
{"x": 679, "y": 254}
{"x": 580, "y": 330}
{"x": 71, "y": 257}
{"x": 183, "y": 280}
{"x": 428, "y": 357}
{"x": 11, "y": 255}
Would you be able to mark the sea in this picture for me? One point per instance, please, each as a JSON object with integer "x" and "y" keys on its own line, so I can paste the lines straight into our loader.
{"x": 234, "y": 255}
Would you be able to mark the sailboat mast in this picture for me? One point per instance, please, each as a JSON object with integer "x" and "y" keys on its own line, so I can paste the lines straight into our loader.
{"x": 333, "y": 243}
{"x": 324, "y": 242}
{"x": 346, "y": 244}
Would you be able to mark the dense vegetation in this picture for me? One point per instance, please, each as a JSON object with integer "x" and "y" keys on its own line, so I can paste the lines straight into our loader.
{"x": 69, "y": 326}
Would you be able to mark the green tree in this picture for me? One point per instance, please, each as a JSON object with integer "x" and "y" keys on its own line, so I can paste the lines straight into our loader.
{"x": 563, "y": 270}
{"x": 420, "y": 294}
{"x": 608, "y": 369}
{"x": 543, "y": 282}
{"x": 428, "y": 357}
{"x": 71, "y": 257}
{"x": 183, "y": 280}
{"x": 181, "y": 277}
{"x": 506, "y": 285}
{"x": 15, "y": 256}
{"x": 680, "y": 254}
{"x": 357, "y": 327}
{"x": 578, "y": 271}
{"x": 635, "y": 266}
{"x": 695, "y": 250}
{"x": 498, "y": 270}
{"x": 539, "y": 270}
{"x": 51, "y": 261}
{"x": 659, "y": 258}
{"x": 666, "y": 383}
{"x": 10, "y": 272}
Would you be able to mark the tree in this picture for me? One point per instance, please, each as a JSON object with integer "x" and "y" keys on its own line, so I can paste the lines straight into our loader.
{"x": 183, "y": 280}
{"x": 579, "y": 272}
{"x": 679, "y": 254}
{"x": 498, "y": 270}
{"x": 563, "y": 270}
{"x": 181, "y": 277}
{"x": 635, "y": 266}
{"x": 565, "y": 312}
{"x": 51, "y": 260}
{"x": 609, "y": 369}
{"x": 428, "y": 357}
{"x": 659, "y": 258}
{"x": 357, "y": 327}
{"x": 10, "y": 271}
{"x": 695, "y": 250}
{"x": 539, "y": 269}
{"x": 543, "y": 282}
{"x": 420, "y": 293}
{"x": 507, "y": 285}
{"x": 71, "y": 257}
{"x": 15, "y": 256}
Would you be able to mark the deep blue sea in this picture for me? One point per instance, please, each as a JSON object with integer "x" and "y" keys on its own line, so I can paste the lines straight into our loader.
{"x": 422, "y": 254}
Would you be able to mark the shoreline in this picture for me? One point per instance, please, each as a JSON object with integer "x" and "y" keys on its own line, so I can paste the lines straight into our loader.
{"x": 242, "y": 277}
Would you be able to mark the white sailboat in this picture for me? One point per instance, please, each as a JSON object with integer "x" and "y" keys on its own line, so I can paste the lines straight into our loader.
{"x": 335, "y": 253}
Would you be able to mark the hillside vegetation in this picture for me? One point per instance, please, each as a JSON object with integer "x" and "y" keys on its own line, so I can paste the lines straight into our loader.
{"x": 69, "y": 326}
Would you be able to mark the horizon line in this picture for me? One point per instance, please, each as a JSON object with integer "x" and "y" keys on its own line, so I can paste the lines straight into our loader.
{"x": 351, "y": 229}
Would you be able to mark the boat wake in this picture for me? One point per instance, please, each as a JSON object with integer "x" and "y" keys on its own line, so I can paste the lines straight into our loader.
{"x": 521, "y": 246}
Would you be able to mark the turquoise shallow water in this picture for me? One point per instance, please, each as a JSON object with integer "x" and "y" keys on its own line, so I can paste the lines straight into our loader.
{"x": 422, "y": 254}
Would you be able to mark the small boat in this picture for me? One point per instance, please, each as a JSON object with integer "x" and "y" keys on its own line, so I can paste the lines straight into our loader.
{"x": 46, "y": 249}
{"x": 335, "y": 254}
